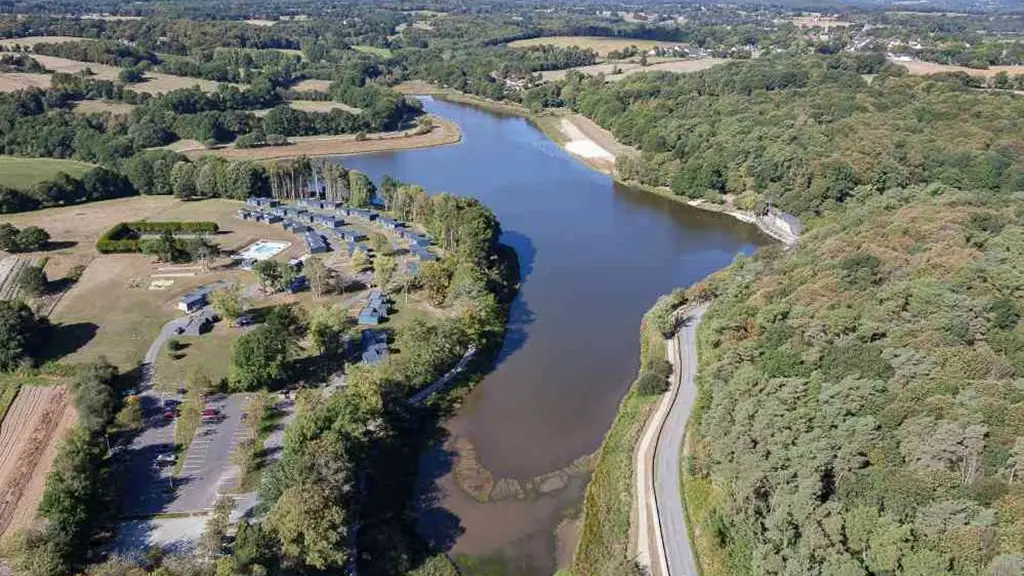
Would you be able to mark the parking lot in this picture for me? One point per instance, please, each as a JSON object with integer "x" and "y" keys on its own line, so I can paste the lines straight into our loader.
{"x": 208, "y": 469}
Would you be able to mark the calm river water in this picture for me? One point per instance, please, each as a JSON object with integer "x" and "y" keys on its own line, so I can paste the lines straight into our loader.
{"x": 594, "y": 255}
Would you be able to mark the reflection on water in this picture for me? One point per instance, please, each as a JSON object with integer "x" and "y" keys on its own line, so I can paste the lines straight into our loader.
{"x": 595, "y": 255}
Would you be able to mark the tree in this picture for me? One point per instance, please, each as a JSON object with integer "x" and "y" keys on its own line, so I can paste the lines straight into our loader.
{"x": 259, "y": 358}
{"x": 21, "y": 333}
{"x": 32, "y": 238}
{"x": 183, "y": 180}
{"x": 32, "y": 280}
{"x": 326, "y": 327}
{"x": 361, "y": 189}
{"x": 383, "y": 270}
{"x": 94, "y": 396}
{"x": 360, "y": 260}
{"x": 211, "y": 543}
{"x": 130, "y": 416}
{"x": 318, "y": 275}
{"x": 380, "y": 244}
{"x": 228, "y": 301}
{"x": 310, "y": 526}
{"x": 270, "y": 274}
{"x": 435, "y": 277}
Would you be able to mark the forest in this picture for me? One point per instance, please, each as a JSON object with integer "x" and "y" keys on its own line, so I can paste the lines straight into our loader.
{"x": 860, "y": 410}
{"x": 805, "y": 134}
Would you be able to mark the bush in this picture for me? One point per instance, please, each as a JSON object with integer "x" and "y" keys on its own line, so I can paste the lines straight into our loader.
{"x": 125, "y": 237}
{"x": 651, "y": 383}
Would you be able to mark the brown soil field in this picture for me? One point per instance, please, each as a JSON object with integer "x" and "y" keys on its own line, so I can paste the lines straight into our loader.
{"x": 313, "y": 86}
{"x": 258, "y": 22}
{"x": 313, "y": 106}
{"x": 33, "y": 40}
{"x": 627, "y": 68}
{"x": 14, "y": 81}
{"x": 923, "y": 68}
{"x": 29, "y": 436}
{"x": 599, "y": 44}
{"x": 94, "y": 106}
{"x": 443, "y": 132}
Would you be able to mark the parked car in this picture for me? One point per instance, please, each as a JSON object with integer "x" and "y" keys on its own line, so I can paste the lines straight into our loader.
{"x": 210, "y": 413}
{"x": 130, "y": 392}
{"x": 243, "y": 320}
{"x": 166, "y": 458}
{"x": 179, "y": 330}
{"x": 170, "y": 414}
{"x": 182, "y": 391}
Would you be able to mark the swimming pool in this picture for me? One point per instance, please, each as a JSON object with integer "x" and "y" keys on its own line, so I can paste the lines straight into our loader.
{"x": 262, "y": 250}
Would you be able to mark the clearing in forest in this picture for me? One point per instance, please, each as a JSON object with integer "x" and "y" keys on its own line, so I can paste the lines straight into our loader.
{"x": 29, "y": 436}
{"x": 624, "y": 69}
{"x": 920, "y": 68}
{"x": 599, "y": 44}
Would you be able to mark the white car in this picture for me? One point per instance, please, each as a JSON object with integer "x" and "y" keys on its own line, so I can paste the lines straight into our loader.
{"x": 166, "y": 458}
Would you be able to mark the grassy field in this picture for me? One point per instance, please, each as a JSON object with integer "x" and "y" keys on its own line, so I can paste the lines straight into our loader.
{"x": 626, "y": 68}
{"x": 209, "y": 353}
{"x": 29, "y": 41}
{"x": 606, "y": 535}
{"x": 25, "y": 172}
{"x": 381, "y": 52}
{"x": 601, "y": 45}
{"x": 324, "y": 106}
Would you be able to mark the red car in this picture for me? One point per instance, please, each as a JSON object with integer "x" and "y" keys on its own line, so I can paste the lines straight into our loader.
{"x": 210, "y": 412}
{"x": 170, "y": 415}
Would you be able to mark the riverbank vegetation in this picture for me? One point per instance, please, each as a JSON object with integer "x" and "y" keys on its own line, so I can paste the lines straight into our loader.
{"x": 607, "y": 539}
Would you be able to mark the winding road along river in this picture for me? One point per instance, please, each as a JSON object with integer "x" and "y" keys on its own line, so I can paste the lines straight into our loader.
{"x": 594, "y": 256}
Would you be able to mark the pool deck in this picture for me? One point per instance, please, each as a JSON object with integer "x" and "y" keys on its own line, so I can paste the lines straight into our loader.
{"x": 263, "y": 249}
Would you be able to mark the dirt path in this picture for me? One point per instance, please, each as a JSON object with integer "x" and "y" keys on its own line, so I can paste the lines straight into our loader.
{"x": 28, "y": 438}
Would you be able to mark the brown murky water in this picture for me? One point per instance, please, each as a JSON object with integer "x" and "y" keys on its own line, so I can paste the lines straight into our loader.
{"x": 594, "y": 255}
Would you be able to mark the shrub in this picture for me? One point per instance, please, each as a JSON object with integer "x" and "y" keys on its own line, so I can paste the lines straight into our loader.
{"x": 651, "y": 383}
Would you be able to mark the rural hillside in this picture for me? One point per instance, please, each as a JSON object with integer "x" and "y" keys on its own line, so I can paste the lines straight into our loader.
{"x": 294, "y": 287}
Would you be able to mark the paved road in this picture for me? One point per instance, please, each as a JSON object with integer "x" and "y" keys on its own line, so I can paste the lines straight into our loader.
{"x": 147, "y": 491}
{"x": 668, "y": 452}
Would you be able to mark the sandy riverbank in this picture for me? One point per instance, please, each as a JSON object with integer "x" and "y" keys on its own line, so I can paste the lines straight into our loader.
{"x": 442, "y": 133}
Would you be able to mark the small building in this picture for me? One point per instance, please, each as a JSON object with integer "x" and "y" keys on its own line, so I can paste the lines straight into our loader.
{"x": 423, "y": 254}
{"x": 270, "y": 218}
{"x": 298, "y": 284}
{"x": 350, "y": 235}
{"x": 419, "y": 241}
{"x": 245, "y": 214}
{"x": 261, "y": 202}
{"x": 376, "y": 309}
{"x": 388, "y": 223}
{"x": 375, "y": 347}
{"x": 315, "y": 243}
{"x": 295, "y": 226}
{"x": 193, "y": 301}
{"x": 328, "y": 220}
{"x": 200, "y": 323}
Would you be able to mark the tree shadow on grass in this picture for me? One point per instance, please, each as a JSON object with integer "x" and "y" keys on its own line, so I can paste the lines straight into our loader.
{"x": 68, "y": 338}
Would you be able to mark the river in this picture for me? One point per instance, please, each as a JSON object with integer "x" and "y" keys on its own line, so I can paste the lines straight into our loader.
{"x": 594, "y": 256}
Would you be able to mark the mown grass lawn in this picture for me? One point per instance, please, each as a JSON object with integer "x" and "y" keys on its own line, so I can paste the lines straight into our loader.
{"x": 18, "y": 172}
